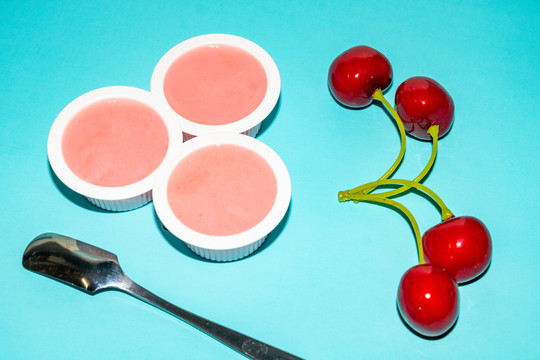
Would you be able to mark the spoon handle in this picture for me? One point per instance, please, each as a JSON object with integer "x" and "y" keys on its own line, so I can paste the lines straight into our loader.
{"x": 245, "y": 345}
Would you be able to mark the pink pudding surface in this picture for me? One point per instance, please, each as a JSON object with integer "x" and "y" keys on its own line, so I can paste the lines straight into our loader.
{"x": 215, "y": 84}
{"x": 222, "y": 190}
{"x": 115, "y": 142}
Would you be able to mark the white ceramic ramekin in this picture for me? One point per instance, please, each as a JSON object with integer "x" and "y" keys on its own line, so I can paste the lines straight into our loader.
{"x": 115, "y": 198}
{"x": 229, "y": 247}
{"x": 250, "y": 124}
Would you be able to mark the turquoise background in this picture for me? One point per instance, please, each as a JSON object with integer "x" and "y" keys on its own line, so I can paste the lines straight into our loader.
{"x": 324, "y": 285}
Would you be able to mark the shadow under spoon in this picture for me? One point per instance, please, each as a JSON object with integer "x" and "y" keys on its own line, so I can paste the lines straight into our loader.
{"x": 92, "y": 270}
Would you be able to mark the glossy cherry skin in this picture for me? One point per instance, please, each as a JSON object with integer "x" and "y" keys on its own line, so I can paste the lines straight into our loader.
{"x": 461, "y": 245}
{"x": 428, "y": 299}
{"x": 422, "y": 102}
{"x": 356, "y": 74}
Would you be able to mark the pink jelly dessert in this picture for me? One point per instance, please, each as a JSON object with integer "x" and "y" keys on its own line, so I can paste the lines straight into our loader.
{"x": 222, "y": 189}
{"x": 115, "y": 142}
{"x": 215, "y": 84}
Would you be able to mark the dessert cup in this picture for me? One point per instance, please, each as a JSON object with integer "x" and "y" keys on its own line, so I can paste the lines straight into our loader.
{"x": 183, "y": 174}
{"x": 112, "y": 159}
{"x": 203, "y": 89}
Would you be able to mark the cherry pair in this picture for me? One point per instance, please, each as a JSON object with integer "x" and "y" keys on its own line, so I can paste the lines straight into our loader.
{"x": 453, "y": 252}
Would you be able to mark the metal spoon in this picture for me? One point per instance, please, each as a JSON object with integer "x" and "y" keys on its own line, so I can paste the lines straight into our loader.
{"x": 92, "y": 270}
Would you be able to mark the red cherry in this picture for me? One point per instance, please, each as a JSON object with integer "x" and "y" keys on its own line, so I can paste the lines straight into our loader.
{"x": 428, "y": 299}
{"x": 356, "y": 74}
{"x": 461, "y": 246}
{"x": 422, "y": 102}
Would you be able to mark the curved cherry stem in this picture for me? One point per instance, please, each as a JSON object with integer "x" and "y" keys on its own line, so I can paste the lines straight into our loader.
{"x": 434, "y": 132}
{"x": 378, "y": 95}
{"x": 348, "y": 195}
{"x": 406, "y": 212}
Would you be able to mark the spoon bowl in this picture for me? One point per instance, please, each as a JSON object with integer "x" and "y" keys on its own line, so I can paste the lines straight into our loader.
{"x": 74, "y": 262}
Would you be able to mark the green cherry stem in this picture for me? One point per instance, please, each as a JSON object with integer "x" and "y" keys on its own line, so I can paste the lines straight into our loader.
{"x": 434, "y": 132}
{"x": 348, "y": 195}
{"x": 378, "y": 95}
{"x": 406, "y": 212}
